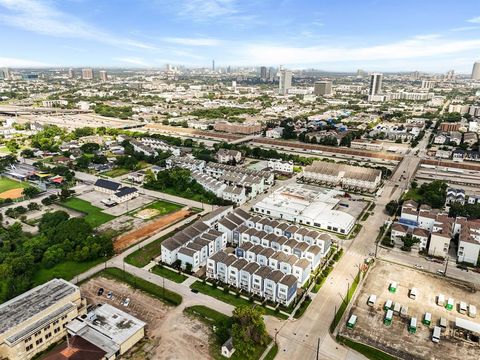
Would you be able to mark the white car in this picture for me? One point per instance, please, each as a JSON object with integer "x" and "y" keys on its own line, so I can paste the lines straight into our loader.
{"x": 126, "y": 302}
{"x": 418, "y": 266}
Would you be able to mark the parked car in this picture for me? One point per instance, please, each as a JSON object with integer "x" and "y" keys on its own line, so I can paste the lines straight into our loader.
{"x": 462, "y": 267}
{"x": 100, "y": 291}
{"x": 418, "y": 266}
{"x": 110, "y": 295}
{"x": 195, "y": 291}
{"x": 126, "y": 302}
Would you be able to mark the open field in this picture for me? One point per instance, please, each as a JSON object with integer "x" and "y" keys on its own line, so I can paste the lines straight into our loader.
{"x": 12, "y": 189}
{"x": 93, "y": 215}
{"x": 160, "y": 207}
{"x": 170, "y": 335}
{"x": 66, "y": 270}
{"x": 116, "y": 172}
{"x": 149, "y": 229}
{"x": 395, "y": 339}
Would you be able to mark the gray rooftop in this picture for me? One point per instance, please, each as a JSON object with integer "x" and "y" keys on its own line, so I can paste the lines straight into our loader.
{"x": 32, "y": 302}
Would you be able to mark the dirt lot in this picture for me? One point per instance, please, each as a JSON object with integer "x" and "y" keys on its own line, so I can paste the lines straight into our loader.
{"x": 395, "y": 338}
{"x": 149, "y": 229}
{"x": 170, "y": 334}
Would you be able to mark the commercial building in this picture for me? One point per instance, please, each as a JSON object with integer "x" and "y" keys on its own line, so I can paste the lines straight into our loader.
{"x": 275, "y": 133}
{"x": 322, "y": 88}
{"x": 375, "y": 84}
{"x": 350, "y": 177}
{"x": 476, "y": 71}
{"x": 87, "y": 74}
{"x": 285, "y": 81}
{"x": 312, "y": 206}
{"x": 33, "y": 321}
{"x": 106, "y": 186}
{"x": 108, "y": 328}
{"x": 103, "y": 75}
{"x": 263, "y": 72}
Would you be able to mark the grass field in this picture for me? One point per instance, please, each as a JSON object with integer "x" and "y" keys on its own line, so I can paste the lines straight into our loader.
{"x": 230, "y": 299}
{"x": 94, "y": 215}
{"x": 156, "y": 291}
{"x": 116, "y": 172}
{"x": 272, "y": 353}
{"x": 368, "y": 351}
{"x": 169, "y": 274}
{"x": 9, "y": 184}
{"x": 164, "y": 207}
{"x": 66, "y": 270}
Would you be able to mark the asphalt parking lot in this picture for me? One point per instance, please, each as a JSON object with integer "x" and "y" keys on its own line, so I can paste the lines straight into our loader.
{"x": 395, "y": 338}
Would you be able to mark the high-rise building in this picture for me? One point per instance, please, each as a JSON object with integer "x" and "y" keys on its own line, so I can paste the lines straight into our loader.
{"x": 71, "y": 73}
{"x": 6, "y": 74}
{"x": 87, "y": 74}
{"x": 103, "y": 75}
{"x": 375, "y": 84}
{"x": 213, "y": 65}
{"x": 476, "y": 71}
{"x": 428, "y": 84}
{"x": 263, "y": 73}
{"x": 323, "y": 88}
{"x": 285, "y": 81}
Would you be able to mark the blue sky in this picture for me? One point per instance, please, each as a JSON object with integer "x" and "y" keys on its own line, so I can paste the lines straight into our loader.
{"x": 341, "y": 35}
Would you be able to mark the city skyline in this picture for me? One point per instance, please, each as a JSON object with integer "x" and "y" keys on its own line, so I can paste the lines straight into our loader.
{"x": 334, "y": 37}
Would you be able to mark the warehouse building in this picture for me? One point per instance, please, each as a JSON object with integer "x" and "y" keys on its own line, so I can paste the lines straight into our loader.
{"x": 33, "y": 321}
{"x": 303, "y": 204}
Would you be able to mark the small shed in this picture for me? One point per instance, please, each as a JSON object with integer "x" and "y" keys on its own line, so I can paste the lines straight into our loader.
{"x": 227, "y": 348}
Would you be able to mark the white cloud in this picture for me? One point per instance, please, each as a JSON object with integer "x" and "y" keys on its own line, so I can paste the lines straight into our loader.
{"x": 206, "y": 9}
{"x": 21, "y": 63}
{"x": 475, "y": 20}
{"x": 414, "y": 48}
{"x": 465, "y": 28}
{"x": 193, "y": 41}
{"x": 42, "y": 18}
{"x": 133, "y": 61}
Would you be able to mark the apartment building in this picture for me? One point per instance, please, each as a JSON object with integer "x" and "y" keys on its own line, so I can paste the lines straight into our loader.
{"x": 246, "y": 128}
{"x": 36, "y": 319}
{"x": 277, "y": 165}
{"x": 347, "y": 176}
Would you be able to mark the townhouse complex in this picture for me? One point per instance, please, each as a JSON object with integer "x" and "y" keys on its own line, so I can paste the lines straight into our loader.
{"x": 227, "y": 182}
{"x": 268, "y": 251}
{"x": 349, "y": 177}
{"x": 150, "y": 146}
{"x": 312, "y": 206}
{"x": 435, "y": 231}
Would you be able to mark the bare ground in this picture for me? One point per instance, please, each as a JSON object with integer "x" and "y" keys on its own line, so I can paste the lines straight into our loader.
{"x": 170, "y": 334}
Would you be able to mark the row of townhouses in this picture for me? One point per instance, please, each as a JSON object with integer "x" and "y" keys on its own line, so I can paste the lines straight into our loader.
{"x": 240, "y": 184}
{"x": 261, "y": 280}
{"x": 435, "y": 231}
{"x": 347, "y": 176}
{"x": 150, "y": 146}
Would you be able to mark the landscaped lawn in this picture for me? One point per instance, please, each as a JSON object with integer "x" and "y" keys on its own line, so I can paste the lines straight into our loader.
{"x": 94, "y": 215}
{"x": 169, "y": 274}
{"x": 159, "y": 292}
{"x": 66, "y": 270}
{"x": 272, "y": 353}
{"x": 9, "y": 184}
{"x": 164, "y": 207}
{"x": 229, "y": 298}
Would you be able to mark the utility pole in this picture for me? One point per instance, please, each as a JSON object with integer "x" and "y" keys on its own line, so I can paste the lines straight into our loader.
{"x": 446, "y": 266}
{"x": 318, "y": 347}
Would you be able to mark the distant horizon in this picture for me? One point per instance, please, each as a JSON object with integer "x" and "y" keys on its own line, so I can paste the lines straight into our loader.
{"x": 428, "y": 36}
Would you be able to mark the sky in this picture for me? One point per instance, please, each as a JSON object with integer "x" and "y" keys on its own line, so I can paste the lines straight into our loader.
{"x": 331, "y": 35}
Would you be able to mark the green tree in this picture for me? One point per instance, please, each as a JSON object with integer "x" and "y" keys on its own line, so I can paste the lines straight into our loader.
{"x": 30, "y": 192}
{"x": 90, "y": 148}
{"x": 248, "y": 330}
{"x": 391, "y": 207}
